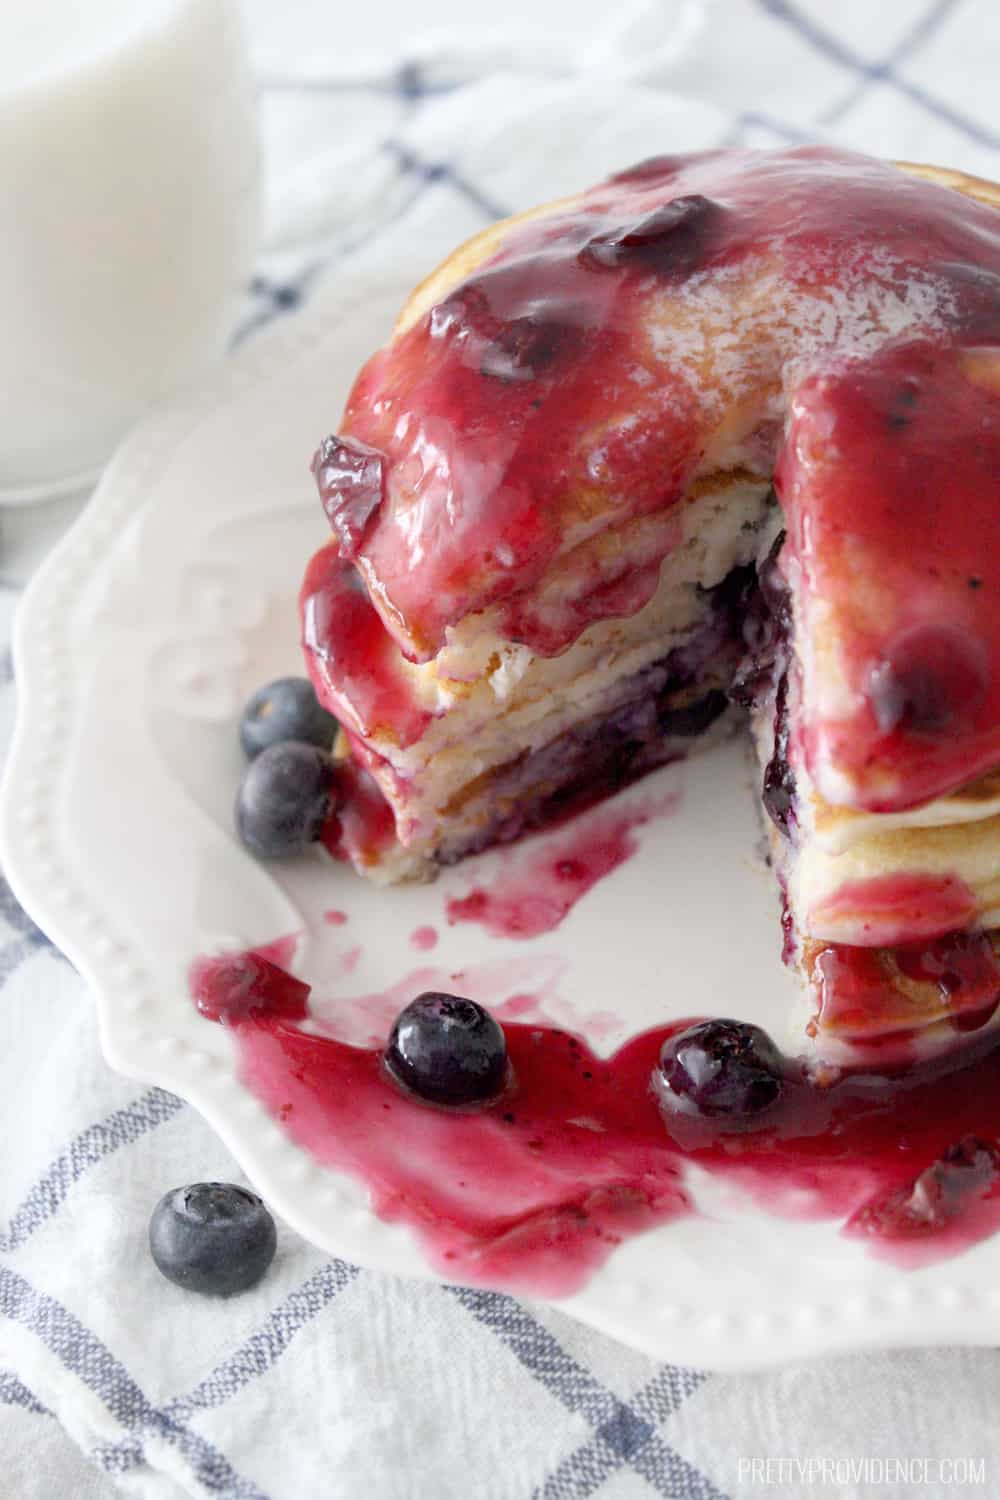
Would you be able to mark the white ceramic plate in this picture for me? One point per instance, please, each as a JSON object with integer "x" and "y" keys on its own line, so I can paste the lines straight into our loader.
{"x": 174, "y": 597}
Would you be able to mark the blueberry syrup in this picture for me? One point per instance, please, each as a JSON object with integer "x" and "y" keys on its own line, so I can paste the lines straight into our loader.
{"x": 518, "y": 1008}
{"x": 478, "y": 409}
{"x": 671, "y": 240}
{"x": 349, "y": 961}
{"x": 898, "y": 908}
{"x": 778, "y": 787}
{"x": 362, "y": 827}
{"x": 950, "y": 1204}
{"x": 533, "y": 1193}
{"x": 521, "y": 987}
{"x": 966, "y": 970}
{"x": 901, "y": 493}
{"x": 537, "y": 889}
{"x": 280, "y": 951}
{"x": 232, "y": 987}
{"x": 762, "y": 677}
{"x": 863, "y": 996}
{"x": 351, "y": 656}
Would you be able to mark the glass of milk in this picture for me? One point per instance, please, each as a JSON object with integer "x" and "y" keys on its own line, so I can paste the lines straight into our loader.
{"x": 128, "y": 216}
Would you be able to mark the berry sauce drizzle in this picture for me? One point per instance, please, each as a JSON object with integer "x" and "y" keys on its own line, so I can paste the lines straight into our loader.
{"x": 897, "y": 908}
{"x": 537, "y": 889}
{"x": 362, "y": 828}
{"x": 882, "y": 998}
{"x": 533, "y": 1193}
{"x": 351, "y": 656}
{"x": 887, "y": 482}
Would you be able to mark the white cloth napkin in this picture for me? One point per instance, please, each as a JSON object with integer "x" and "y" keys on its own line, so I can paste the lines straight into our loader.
{"x": 328, "y": 1381}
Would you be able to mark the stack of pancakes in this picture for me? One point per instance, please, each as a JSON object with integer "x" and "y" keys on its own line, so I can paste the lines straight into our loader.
{"x": 561, "y": 585}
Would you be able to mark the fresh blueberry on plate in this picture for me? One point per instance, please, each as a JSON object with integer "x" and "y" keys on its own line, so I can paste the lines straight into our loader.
{"x": 448, "y": 1050}
{"x": 285, "y": 796}
{"x": 212, "y": 1237}
{"x": 286, "y": 709}
{"x": 721, "y": 1069}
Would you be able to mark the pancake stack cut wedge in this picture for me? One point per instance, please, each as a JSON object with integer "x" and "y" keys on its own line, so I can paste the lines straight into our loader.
{"x": 720, "y": 435}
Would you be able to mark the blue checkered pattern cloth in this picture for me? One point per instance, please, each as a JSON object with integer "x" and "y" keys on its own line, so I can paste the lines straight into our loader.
{"x": 329, "y": 1381}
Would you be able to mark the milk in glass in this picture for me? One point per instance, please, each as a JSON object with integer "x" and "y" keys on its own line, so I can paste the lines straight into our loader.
{"x": 127, "y": 219}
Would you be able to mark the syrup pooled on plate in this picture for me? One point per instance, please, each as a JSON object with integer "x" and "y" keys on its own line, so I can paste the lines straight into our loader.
{"x": 540, "y": 889}
{"x": 533, "y": 1192}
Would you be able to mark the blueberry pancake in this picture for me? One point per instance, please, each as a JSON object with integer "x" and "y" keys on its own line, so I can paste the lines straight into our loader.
{"x": 717, "y": 438}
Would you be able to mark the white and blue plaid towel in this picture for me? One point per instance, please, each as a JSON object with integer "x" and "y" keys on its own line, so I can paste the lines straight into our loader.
{"x": 329, "y": 1382}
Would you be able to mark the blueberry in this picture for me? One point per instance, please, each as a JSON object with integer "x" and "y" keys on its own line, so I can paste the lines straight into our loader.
{"x": 466, "y": 312}
{"x": 447, "y": 1050}
{"x": 286, "y": 709}
{"x": 351, "y": 481}
{"x": 929, "y": 682}
{"x": 284, "y": 798}
{"x": 212, "y": 1237}
{"x": 522, "y": 348}
{"x": 673, "y": 239}
{"x": 721, "y": 1069}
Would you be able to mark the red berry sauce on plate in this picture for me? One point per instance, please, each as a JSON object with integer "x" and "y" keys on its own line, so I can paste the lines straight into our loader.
{"x": 538, "y": 887}
{"x": 533, "y": 1192}
{"x": 423, "y": 939}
